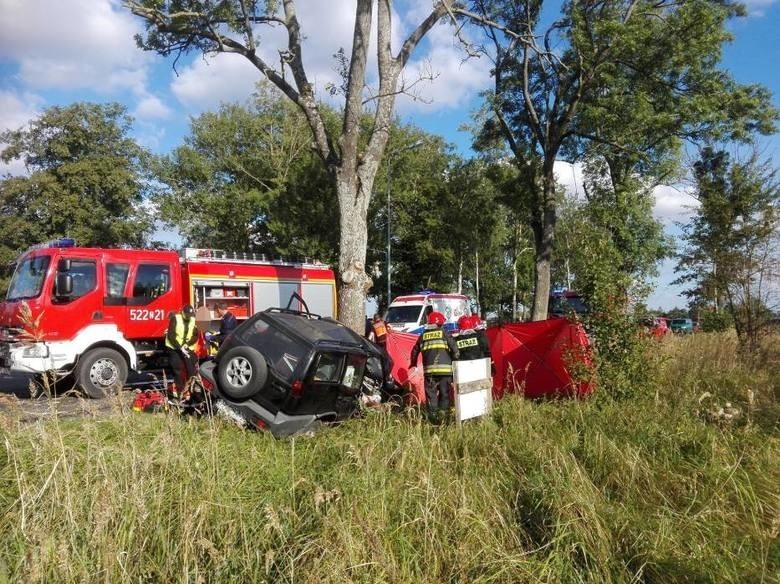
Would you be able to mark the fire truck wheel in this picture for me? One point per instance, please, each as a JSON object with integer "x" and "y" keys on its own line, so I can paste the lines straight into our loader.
{"x": 101, "y": 372}
{"x": 242, "y": 372}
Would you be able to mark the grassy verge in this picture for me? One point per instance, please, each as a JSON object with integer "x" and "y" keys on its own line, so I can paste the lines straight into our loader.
{"x": 659, "y": 489}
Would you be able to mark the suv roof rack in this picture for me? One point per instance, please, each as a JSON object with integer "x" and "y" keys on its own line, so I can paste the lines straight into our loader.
{"x": 289, "y": 310}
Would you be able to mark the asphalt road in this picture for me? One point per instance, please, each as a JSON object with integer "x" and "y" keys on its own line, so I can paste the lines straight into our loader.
{"x": 16, "y": 384}
{"x": 19, "y": 403}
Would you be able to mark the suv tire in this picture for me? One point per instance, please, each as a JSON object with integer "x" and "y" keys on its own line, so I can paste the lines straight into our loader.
{"x": 242, "y": 372}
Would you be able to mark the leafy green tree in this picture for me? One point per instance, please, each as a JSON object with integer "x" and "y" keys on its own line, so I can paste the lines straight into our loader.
{"x": 249, "y": 173}
{"x": 731, "y": 254}
{"x": 478, "y": 226}
{"x": 447, "y": 225}
{"x": 409, "y": 193}
{"x": 87, "y": 179}
{"x": 351, "y": 157}
{"x": 630, "y": 75}
{"x": 609, "y": 242}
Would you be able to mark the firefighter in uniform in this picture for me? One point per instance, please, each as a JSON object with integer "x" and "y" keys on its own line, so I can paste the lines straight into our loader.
{"x": 438, "y": 349}
{"x": 180, "y": 340}
{"x": 472, "y": 339}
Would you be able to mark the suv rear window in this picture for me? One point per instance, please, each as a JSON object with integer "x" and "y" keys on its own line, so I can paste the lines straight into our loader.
{"x": 282, "y": 352}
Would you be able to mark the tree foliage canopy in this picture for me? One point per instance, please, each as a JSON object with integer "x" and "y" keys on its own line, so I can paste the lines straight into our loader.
{"x": 246, "y": 179}
{"x": 86, "y": 179}
{"x": 622, "y": 81}
{"x": 234, "y": 27}
{"x": 731, "y": 254}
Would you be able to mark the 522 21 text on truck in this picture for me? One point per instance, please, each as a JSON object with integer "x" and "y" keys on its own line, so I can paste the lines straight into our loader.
{"x": 98, "y": 313}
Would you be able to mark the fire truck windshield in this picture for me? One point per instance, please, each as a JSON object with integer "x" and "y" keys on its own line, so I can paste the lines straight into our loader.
{"x": 28, "y": 278}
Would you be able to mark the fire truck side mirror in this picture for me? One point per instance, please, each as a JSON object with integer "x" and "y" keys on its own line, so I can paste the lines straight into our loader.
{"x": 63, "y": 265}
{"x": 63, "y": 287}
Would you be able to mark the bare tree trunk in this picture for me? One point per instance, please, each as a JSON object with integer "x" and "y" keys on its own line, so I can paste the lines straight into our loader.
{"x": 460, "y": 275}
{"x": 476, "y": 263}
{"x": 514, "y": 288}
{"x": 354, "y": 282}
{"x": 544, "y": 238}
{"x": 354, "y": 167}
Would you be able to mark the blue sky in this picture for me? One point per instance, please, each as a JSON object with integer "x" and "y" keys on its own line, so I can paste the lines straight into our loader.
{"x": 60, "y": 51}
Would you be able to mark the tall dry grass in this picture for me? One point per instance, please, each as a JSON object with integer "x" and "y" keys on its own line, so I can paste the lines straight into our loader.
{"x": 655, "y": 489}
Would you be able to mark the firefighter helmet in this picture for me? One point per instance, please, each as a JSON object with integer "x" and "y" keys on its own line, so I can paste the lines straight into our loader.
{"x": 466, "y": 322}
{"x": 436, "y": 318}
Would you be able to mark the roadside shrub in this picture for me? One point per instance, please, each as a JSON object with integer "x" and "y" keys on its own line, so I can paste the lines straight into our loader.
{"x": 716, "y": 322}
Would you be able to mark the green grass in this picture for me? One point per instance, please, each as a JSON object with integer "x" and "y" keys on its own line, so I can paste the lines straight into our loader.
{"x": 656, "y": 489}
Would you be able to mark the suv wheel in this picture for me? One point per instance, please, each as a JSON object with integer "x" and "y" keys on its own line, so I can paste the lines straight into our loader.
{"x": 242, "y": 372}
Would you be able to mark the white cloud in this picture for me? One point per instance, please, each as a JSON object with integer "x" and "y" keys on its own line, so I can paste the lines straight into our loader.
{"x": 673, "y": 203}
{"x": 758, "y": 8}
{"x": 569, "y": 176}
{"x": 456, "y": 82}
{"x": 16, "y": 109}
{"x": 327, "y": 27}
{"x": 210, "y": 81}
{"x": 72, "y": 44}
{"x": 151, "y": 107}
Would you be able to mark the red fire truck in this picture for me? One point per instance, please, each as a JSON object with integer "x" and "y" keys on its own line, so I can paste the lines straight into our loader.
{"x": 99, "y": 313}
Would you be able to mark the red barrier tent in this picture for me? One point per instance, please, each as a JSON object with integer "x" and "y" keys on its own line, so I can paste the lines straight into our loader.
{"x": 535, "y": 358}
{"x": 539, "y": 359}
{"x": 399, "y": 347}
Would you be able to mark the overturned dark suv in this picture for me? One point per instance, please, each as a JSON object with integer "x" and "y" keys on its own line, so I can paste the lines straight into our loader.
{"x": 290, "y": 371}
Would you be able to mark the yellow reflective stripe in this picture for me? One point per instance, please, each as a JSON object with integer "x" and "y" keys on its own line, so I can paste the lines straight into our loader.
{"x": 463, "y": 343}
{"x": 434, "y": 345}
{"x": 438, "y": 369}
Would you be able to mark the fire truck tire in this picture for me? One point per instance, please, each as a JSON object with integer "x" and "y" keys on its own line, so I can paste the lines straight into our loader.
{"x": 101, "y": 372}
{"x": 242, "y": 372}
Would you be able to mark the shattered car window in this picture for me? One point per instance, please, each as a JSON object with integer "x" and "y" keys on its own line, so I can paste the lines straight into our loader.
{"x": 282, "y": 352}
{"x": 327, "y": 368}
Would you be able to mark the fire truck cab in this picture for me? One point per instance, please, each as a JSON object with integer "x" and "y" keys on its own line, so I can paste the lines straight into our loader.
{"x": 99, "y": 313}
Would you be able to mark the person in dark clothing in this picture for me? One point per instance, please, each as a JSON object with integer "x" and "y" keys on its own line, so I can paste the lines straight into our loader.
{"x": 438, "y": 349}
{"x": 471, "y": 339}
{"x": 181, "y": 340}
{"x": 227, "y": 321}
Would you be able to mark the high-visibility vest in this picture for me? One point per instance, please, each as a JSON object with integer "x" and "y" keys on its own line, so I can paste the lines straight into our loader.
{"x": 184, "y": 332}
{"x": 380, "y": 330}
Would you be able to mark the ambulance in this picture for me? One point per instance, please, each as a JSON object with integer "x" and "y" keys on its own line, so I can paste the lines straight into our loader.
{"x": 410, "y": 313}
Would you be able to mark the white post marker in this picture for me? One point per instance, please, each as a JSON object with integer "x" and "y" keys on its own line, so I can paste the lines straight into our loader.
{"x": 473, "y": 388}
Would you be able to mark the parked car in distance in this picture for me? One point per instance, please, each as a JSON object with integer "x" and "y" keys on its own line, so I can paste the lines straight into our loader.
{"x": 290, "y": 371}
{"x": 655, "y": 326}
{"x": 564, "y": 303}
{"x": 681, "y": 325}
